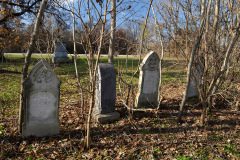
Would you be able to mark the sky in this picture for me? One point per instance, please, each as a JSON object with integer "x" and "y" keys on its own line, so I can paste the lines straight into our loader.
{"x": 128, "y": 10}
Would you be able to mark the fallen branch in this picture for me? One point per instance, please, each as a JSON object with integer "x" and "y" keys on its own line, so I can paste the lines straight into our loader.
{"x": 8, "y": 120}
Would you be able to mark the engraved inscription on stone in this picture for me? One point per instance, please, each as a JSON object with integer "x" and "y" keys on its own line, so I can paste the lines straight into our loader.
{"x": 42, "y": 106}
{"x": 150, "y": 82}
{"x": 104, "y": 110}
{"x": 153, "y": 63}
{"x": 41, "y": 102}
{"x": 43, "y": 75}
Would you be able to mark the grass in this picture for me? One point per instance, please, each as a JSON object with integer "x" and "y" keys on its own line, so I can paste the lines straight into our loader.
{"x": 10, "y": 79}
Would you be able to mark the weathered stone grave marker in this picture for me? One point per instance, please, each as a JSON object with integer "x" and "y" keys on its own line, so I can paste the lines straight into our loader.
{"x": 60, "y": 54}
{"x": 197, "y": 73}
{"x": 104, "y": 109}
{"x": 41, "y": 101}
{"x": 147, "y": 95}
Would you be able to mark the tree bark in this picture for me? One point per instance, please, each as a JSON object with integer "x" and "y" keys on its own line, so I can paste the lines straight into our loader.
{"x": 27, "y": 61}
{"x": 75, "y": 54}
{"x": 2, "y": 58}
{"x": 143, "y": 32}
{"x": 197, "y": 42}
{"x": 226, "y": 59}
{"x": 92, "y": 102}
{"x": 203, "y": 115}
{"x": 113, "y": 29}
{"x": 162, "y": 54}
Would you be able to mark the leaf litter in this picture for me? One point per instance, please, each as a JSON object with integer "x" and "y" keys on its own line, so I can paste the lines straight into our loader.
{"x": 142, "y": 135}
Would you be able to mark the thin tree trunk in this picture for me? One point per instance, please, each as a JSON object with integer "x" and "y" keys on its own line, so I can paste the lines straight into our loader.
{"x": 161, "y": 58}
{"x": 224, "y": 66}
{"x": 75, "y": 61}
{"x": 88, "y": 138}
{"x": 112, "y": 34}
{"x": 75, "y": 54}
{"x": 2, "y": 58}
{"x": 197, "y": 42}
{"x": 226, "y": 59}
{"x": 27, "y": 61}
{"x": 186, "y": 37}
{"x": 215, "y": 27}
{"x": 93, "y": 82}
{"x": 203, "y": 115}
{"x": 143, "y": 32}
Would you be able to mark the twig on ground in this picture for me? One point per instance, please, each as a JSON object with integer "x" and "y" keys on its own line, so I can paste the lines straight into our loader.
{"x": 8, "y": 120}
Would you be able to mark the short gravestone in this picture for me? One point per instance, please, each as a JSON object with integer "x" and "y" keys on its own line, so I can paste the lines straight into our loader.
{"x": 197, "y": 73}
{"x": 41, "y": 102}
{"x": 147, "y": 95}
{"x": 105, "y": 94}
{"x": 60, "y": 54}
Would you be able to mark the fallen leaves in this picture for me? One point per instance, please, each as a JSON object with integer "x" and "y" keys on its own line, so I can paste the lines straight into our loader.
{"x": 145, "y": 135}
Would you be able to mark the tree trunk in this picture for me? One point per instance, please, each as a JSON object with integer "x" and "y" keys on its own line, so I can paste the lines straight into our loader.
{"x": 162, "y": 54}
{"x": 113, "y": 29}
{"x": 75, "y": 61}
{"x": 197, "y": 42}
{"x": 226, "y": 59}
{"x": 93, "y": 82}
{"x": 88, "y": 137}
{"x": 2, "y": 58}
{"x": 27, "y": 61}
{"x": 143, "y": 32}
{"x": 203, "y": 115}
{"x": 75, "y": 54}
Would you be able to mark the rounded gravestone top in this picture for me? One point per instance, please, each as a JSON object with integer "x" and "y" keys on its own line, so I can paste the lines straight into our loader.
{"x": 151, "y": 62}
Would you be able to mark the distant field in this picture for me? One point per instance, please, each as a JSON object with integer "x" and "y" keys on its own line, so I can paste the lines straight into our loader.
{"x": 173, "y": 71}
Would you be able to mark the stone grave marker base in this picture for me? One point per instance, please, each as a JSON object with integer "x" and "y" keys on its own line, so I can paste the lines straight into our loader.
{"x": 41, "y": 129}
{"x": 107, "y": 117}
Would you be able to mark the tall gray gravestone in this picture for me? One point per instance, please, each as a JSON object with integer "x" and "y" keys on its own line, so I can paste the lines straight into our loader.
{"x": 197, "y": 73}
{"x": 60, "y": 54}
{"x": 41, "y": 101}
{"x": 147, "y": 95}
{"x": 105, "y": 94}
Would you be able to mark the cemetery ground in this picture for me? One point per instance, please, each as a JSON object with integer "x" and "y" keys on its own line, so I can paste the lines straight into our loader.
{"x": 137, "y": 135}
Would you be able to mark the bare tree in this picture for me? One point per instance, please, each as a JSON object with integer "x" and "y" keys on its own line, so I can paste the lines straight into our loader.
{"x": 75, "y": 53}
{"x": 89, "y": 30}
{"x": 197, "y": 43}
{"x": 162, "y": 51}
{"x": 113, "y": 30}
{"x": 213, "y": 75}
{"x": 27, "y": 61}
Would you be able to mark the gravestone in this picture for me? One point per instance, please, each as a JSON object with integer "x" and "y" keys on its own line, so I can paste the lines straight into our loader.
{"x": 147, "y": 95}
{"x": 105, "y": 94}
{"x": 197, "y": 73}
{"x": 60, "y": 54}
{"x": 41, "y": 101}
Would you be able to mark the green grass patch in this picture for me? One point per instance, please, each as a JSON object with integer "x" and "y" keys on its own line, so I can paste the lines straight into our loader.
{"x": 10, "y": 79}
{"x": 230, "y": 148}
{"x": 184, "y": 158}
